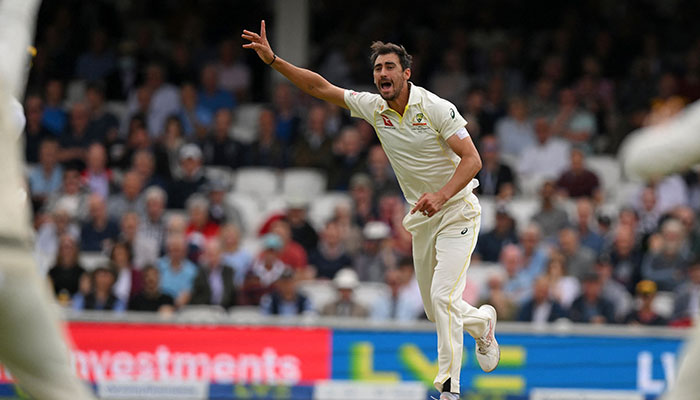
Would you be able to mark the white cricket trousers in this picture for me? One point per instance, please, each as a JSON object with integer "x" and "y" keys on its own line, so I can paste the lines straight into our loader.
{"x": 442, "y": 249}
{"x": 687, "y": 384}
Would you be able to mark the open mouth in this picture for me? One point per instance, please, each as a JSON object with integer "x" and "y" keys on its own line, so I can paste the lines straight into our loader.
{"x": 385, "y": 85}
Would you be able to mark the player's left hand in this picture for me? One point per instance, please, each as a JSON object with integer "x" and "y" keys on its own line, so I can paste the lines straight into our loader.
{"x": 430, "y": 203}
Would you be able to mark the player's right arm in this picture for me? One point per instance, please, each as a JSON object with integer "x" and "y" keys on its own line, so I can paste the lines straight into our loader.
{"x": 308, "y": 81}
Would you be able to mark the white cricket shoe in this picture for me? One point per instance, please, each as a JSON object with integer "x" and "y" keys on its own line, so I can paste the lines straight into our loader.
{"x": 447, "y": 396}
{"x": 487, "y": 351}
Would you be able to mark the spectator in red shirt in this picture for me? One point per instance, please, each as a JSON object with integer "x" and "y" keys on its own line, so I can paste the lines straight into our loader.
{"x": 578, "y": 181}
{"x": 292, "y": 253}
{"x": 200, "y": 227}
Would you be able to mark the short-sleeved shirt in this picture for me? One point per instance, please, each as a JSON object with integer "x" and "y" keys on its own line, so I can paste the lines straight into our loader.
{"x": 174, "y": 283}
{"x": 415, "y": 143}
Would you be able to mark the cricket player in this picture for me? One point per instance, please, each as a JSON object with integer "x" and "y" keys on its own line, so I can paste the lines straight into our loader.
{"x": 650, "y": 153}
{"x": 435, "y": 161}
{"x": 31, "y": 342}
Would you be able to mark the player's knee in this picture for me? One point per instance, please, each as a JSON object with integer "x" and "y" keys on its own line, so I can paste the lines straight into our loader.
{"x": 440, "y": 298}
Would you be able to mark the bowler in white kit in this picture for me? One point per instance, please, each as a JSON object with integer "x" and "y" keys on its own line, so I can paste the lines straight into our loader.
{"x": 435, "y": 161}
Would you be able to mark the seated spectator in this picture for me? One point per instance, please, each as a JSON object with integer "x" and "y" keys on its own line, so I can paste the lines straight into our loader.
{"x": 345, "y": 282}
{"x": 380, "y": 172}
{"x": 219, "y": 148}
{"x": 626, "y": 257}
{"x": 519, "y": 283}
{"x": 196, "y": 119}
{"x": 586, "y": 226}
{"x": 495, "y": 178}
{"x": 287, "y": 120}
{"x": 314, "y": 147}
{"x": 285, "y": 299}
{"x": 535, "y": 253}
{"x": 101, "y": 296}
{"x": 97, "y": 178}
{"x": 128, "y": 279}
{"x": 515, "y": 131}
{"x": 102, "y": 123}
{"x": 547, "y": 157}
{"x": 220, "y": 212}
{"x": 404, "y": 301}
{"x": 291, "y": 253}
{"x": 210, "y": 96}
{"x": 76, "y": 141}
{"x": 686, "y": 305}
{"x": 54, "y": 117}
{"x": 267, "y": 149}
{"x": 348, "y": 159}
{"x": 72, "y": 196}
{"x": 644, "y": 314}
{"x": 490, "y": 244}
{"x": 66, "y": 273}
{"x": 377, "y": 255}
{"x": 129, "y": 200}
{"x": 551, "y": 217}
{"x": 501, "y": 301}
{"x": 164, "y": 99}
{"x": 579, "y": 260}
{"x": 572, "y": 122}
{"x": 364, "y": 207}
{"x": 613, "y": 290}
{"x": 45, "y": 179}
{"x": 578, "y": 181}
{"x": 667, "y": 259}
{"x": 58, "y": 223}
{"x": 192, "y": 179}
{"x": 349, "y": 230}
{"x": 302, "y": 231}
{"x": 564, "y": 288}
{"x": 330, "y": 255}
{"x": 99, "y": 231}
{"x": 234, "y": 72}
{"x": 145, "y": 249}
{"x": 34, "y": 131}
{"x": 214, "y": 282}
{"x": 98, "y": 61}
{"x": 233, "y": 255}
{"x": 153, "y": 224}
{"x": 200, "y": 227}
{"x": 591, "y": 306}
{"x": 176, "y": 271}
{"x": 151, "y": 298}
{"x": 648, "y": 213}
{"x": 687, "y": 216}
{"x": 541, "y": 308}
{"x": 143, "y": 163}
{"x": 268, "y": 267}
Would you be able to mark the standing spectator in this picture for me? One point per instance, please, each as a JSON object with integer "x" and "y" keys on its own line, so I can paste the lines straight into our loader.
{"x": 403, "y": 301}
{"x": 101, "y": 295}
{"x": 164, "y": 99}
{"x": 686, "y": 305}
{"x": 578, "y": 181}
{"x": 579, "y": 260}
{"x": 97, "y": 178}
{"x": 192, "y": 179}
{"x": 214, "y": 282}
{"x": 489, "y": 245}
{"x": 285, "y": 299}
{"x": 330, "y": 255}
{"x": 151, "y": 298}
{"x": 211, "y": 97}
{"x": 495, "y": 178}
{"x": 99, "y": 231}
{"x": 547, "y": 157}
{"x": 45, "y": 178}
{"x": 551, "y": 217}
{"x": 377, "y": 255}
{"x": 66, "y": 273}
{"x": 591, "y": 307}
{"x": 176, "y": 271}
{"x": 644, "y": 314}
{"x": 345, "y": 282}
{"x": 196, "y": 119}
{"x": 34, "y": 131}
{"x": 667, "y": 259}
{"x": 541, "y": 309}
{"x": 233, "y": 255}
{"x": 515, "y": 132}
{"x": 219, "y": 148}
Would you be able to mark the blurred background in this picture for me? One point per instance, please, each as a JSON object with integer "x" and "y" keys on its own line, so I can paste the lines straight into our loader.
{"x": 177, "y": 182}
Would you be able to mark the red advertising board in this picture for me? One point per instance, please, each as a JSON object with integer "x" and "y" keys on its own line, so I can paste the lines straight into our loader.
{"x": 217, "y": 354}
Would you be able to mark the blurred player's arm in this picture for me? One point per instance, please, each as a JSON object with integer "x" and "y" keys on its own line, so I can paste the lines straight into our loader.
{"x": 308, "y": 81}
{"x": 469, "y": 165}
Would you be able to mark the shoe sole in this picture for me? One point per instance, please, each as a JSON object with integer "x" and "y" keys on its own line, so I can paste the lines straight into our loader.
{"x": 493, "y": 333}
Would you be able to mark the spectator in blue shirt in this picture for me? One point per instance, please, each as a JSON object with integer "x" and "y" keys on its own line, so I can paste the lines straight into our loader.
{"x": 211, "y": 97}
{"x": 176, "y": 271}
{"x": 101, "y": 295}
{"x": 55, "y": 117}
{"x": 47, "y": 177}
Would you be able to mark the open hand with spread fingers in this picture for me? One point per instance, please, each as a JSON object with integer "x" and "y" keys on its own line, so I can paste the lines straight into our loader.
{"x": 260, "y": 44}
{"x": 429, "y": 204}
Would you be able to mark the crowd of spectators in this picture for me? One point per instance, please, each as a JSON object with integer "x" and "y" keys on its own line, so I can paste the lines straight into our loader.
{"x": 127, "y": 108}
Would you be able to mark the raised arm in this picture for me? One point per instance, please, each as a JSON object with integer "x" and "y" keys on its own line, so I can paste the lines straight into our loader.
{"x": 306, "y": 80}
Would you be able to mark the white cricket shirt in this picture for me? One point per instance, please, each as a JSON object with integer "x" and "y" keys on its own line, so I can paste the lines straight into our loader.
{"x": 415, "y": 143}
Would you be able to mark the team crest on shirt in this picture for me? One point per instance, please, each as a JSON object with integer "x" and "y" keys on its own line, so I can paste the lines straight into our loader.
{"x": 418, "y": 120}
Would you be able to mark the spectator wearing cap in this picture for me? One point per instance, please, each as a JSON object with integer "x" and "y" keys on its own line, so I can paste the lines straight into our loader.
{"x": 177, "y": 273}
{"x": 219, "y": 148}
{"x": 551, "y": 217}
{"x": 302, "y": 231}
{"x": 268, "y": 267}
{"x": 192, "y": 179}
{"x": 330, "y": 255}
{"x": 345, "y": 282}
{"x": 541, "y": 308}
{"x": 151, "y": 298}
{"x": 686, "y": 305}
{"x": 591, "y": 306}
{"x": 578, "y": 181}
{"x": 668, "y": 257}
{"x": 579, "y": 259}
{"x": 644, "y": 313}
{"x": 285, "y": 298}
{"x": 101, "y": 295}
{"x": 214, "y": 283}
{"x": 291, "y": 253}
{"x": 495, "y": 178}
{"x": 402, "y": 303}
{"x": 377, "y": 256}
{"x": 490, "y": 244}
